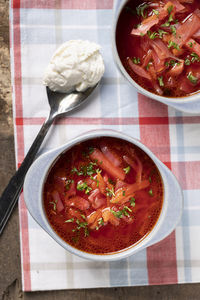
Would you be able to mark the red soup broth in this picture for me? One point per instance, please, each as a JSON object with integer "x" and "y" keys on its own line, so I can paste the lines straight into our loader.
{"x": 159, "y": 45}
{"x": 103, "y": 195}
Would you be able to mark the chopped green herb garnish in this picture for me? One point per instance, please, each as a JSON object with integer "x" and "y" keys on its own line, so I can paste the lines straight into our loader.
{"x": 173, "y": 29}
{"x": 148, "y": 65}
{"x": 81, "y": 224}
{"x": 141, "y": 10}
{"x": 136, "y": 60}
{"x": 156, "y": 12}
{"x": 160, "y": 80}
{"x": 187, "y": 62}
{"x": 54, "y": 205}
{"x": 75, "y": 170}
{"x": 127, "y": 169}
{"x": 96, "y": 180}
{"x": 69, "y": 220}
{"x": 174, "y": 45}
{"x": 152, "y": 35}
{"x": 98, "y": 171}
{"x": 161, "y": 33}
{"x": 91, "y": 149}
{"x": 68, "y": 184}
{"x": 110, "y": 181}
{"x": 151, "y": 192}
{"x": 110, "y": 192}
{"x": 127, "y": 208}
{"x": 119, "y": 214}
{"x": 86, "y": 170}
{"x": 89, "y": 169}
{"x": 192, "y": 78}
{"x": 166, "y": 24}
{"x": 83, "y": 187}
{"x": 86, "y": 231}
{"x": 172, "y": 63}
{"x": 132, "y": 201}
{"x": 83, "y": 216}
{"x": 190, "y": 44}
{"x": 150, "y": 180}
{"x": 170, "y": 8}
{"x": 100, "y": 221}
{"x": 123, "y": 193}
{"x": 125, "y": 213}
{"x": 195, "y": 57}
{"x": 170, "y": 18}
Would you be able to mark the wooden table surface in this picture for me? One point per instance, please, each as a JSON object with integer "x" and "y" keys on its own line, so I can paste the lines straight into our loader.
{"x": 10, "y": 272}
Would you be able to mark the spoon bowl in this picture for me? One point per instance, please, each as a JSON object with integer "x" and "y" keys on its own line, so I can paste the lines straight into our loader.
{"x": 60, "y": 104}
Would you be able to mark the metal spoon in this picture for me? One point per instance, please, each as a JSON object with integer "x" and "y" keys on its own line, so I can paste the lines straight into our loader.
{"x": 60, "y": 104}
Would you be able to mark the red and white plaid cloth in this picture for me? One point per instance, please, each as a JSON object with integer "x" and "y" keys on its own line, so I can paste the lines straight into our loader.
{"x": 37, "y": 28}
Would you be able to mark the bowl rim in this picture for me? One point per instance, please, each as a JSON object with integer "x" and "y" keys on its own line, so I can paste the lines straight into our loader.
{"x": 143, "y": 243}
{"x": 167, "y": 100}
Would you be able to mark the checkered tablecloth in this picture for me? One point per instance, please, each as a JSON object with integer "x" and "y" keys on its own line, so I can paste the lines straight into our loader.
{"x": 37, "y": 28}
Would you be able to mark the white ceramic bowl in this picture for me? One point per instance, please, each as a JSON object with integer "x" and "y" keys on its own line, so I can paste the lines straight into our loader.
{"x": 189, "y": 104}
{"x": 170, "y": 214}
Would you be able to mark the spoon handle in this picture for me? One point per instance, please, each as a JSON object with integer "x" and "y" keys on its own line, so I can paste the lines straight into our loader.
{"x": 12, "y": 191}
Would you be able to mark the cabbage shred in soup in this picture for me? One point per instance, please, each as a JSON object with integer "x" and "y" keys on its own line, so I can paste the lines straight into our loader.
{"x": 103, "y": 195}
{"x": 159, "y": 45}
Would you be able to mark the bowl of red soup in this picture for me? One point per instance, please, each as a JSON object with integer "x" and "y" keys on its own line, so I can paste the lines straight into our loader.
{"x": 103, "y": 196}
{"x": 157, "y": 47}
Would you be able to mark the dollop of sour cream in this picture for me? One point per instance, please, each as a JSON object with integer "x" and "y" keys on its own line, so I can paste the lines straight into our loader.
{"x": 76, "y": 65}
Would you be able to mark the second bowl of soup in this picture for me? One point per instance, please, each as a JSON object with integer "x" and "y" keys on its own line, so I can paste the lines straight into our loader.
{"x": 157, "y": 47}
{"x": 103, "y": 196}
